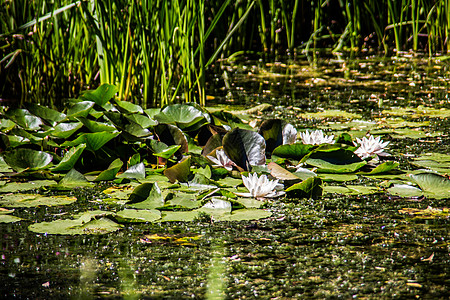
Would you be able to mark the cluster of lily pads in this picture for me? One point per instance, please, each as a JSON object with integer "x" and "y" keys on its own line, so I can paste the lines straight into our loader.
{"x": 178, "y": 163}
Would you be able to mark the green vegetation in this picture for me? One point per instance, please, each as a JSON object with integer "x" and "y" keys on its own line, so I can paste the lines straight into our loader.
{"x": 161, "y": 52}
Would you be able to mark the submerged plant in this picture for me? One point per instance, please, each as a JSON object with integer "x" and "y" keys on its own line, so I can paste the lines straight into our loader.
{"x": 370, "y": 147}
{"x": 316, "y": 137}
{"x": 222, "y": 160}
{"x": 260, "y": 187}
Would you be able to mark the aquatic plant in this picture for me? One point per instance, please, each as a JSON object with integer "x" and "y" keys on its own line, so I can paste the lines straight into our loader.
{"x": 260, "y": 186}
{"x": 370, "y": 147}
{"x": 221, "y": 160}
{"x": 316, "y": 137}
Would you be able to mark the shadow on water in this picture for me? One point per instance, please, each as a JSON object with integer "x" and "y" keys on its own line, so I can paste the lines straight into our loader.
{"x": 340, "y": 246}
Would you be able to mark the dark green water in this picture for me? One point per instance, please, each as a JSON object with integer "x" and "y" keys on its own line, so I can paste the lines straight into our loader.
{"x": 340, "y": 246}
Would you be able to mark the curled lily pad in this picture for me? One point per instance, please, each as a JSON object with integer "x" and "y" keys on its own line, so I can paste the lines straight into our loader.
{"x": 65, "y": 130}
{"x": 308, "y": 188}
{"x": 70, "y": 158}
{"x": 277, "y": 132}
{"x": 146, "y": 196}
{"x": 111, "y": 172}
{"x": 22, "y": 159}
{"x": 52, "y": 116}
{"x": 245, "y": 148}
{"x": 23, "y": 118}
{"x": 73, "y": 178}
{"x": 101, "y": 95}
{"x": 179, "y": 172}
{"x": 80, "y": 109}
{"x": 93, "y": 141}
{"x": 136, "y": 171}
{"x": 93, "y": 222}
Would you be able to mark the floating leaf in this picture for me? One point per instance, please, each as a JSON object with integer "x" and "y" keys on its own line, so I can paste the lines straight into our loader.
{"x": 23, "y": 158}
{"x": 382, "y": 168}
{"x": 172, "y": 135}
{"x": 112, "y": 171}
{"x": 101, "y": 95}
{"x": 277, "y": 132}
{"x": 93, "y": 141}
{"x": 32, "y": 200}
{"x": 180, "y": 199}
{"x": 139, "y": 215}
{"x": 146, "y": 196}
{"x": 182, "y": 115}
{"x": 95, "y": 126}
{"x": 70, "y": 158}
{"x": 80, "y": 109}
{"x": 128, "y": 107}
{"x": 168, "y": 152}
{"x": 245, "y": 148}
{"x": 13, "y": 187}
{"x": 141, "y": 120}
{"x": 282, "y": 174}
{"x": 405, "y": 190}
{"x": 293, "y": 151}
{"x": 65, "y": 130}
{"x": 52, "y": 116}
{"x": 336, "y": 161}
{"x": 4, "y": 218}
{"x": 73, "y": 178}
{"x": 136, "y": 171}
{"x": 435, "y": 185}
{"x": 184, "y": 216}
{"x": 23, "y": 118}
{"x": 93, "y": 222}
{"x": 308, "y": 188}
{"x": 179, "y": 172}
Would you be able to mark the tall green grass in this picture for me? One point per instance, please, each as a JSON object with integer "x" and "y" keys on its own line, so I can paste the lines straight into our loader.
{"x": 160, "y": 52}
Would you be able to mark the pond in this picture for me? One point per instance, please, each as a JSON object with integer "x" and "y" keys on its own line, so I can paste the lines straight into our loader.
{"x": 361, "y": 239}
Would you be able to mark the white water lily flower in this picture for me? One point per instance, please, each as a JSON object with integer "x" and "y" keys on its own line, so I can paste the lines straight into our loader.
{"x": 222, "y": 160}
{"x": 260, "y": 187}
{"x": 370, "y": 147}
{"x": 316, "y": 137}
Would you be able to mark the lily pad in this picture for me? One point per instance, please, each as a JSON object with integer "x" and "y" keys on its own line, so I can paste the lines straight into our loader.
{"x": 101, "y": 95}
{"x": 4, "y": 218}
{"x": 436, "y": 186}
{"x": 308, "y": 188}
{"x": 33, "y": 200}
{"x": 70, "y": 158}
{"x": 136, "y": 171}
{"x": 93, "y": 141}
{"x": 179, "y": 172}
{"x": 294, "y": 151}
{"x": 23, "y": 159}
{"x": 146, "y": 196}
{"x": 245, "y": 148}
{"x": 111, "y": 172}
{"x": 13, "y": 187}
{"x": 91, "y": 222}
{"x": 405, "y": 190}
{"x": 245, "y": 215}
{"x": 139, "y": 215}
{"x": 337, "y": 161}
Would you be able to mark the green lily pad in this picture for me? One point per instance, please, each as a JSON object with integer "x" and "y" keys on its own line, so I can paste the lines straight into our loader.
{"x": 184, "y": 200}
{"x": 9, "y": 219}
{"x": 179, "y": 172}
{"x": 70, "y": 158}
{"x": 101, "y": 95}
{"x": 128, "y": 107}
{"x": 136, "y": 171}
{"x": 183, "y": 216}
{"x": 93, "y": 141}
{"x": 245, "y": 148}
{"x": 111, "y": 172}
{"x": 23, "y": 118}
{"x": 434, "y": 185}
{"x": 337, "y": 161}
{"x": 146, "y": 196}
{"x": 95, "y": 126}
{"x": 33, "y": 200}
{"x": 308, "y": 188}
{"x": 23, "y": 159}
{"x": 80, "y": 109}
{"x": 52, "y": 116}
{"x": 337, "y": 177}
{"x": 248, "y": 202}
{"x": 141, "y": 120}
{"x": 405, "y": 190}
{"x": 92, "y": 222}
{"x": 277, "y": 132}
{"x": 73, "y": 178}
{"x": 294, "y": 151}
{"x": 382, "y": 168}
{"x": 13, "y": 187}
{"x": 65, "y": 130}
{"x": 179, "y": 114}
{"x": 139, "y": 215}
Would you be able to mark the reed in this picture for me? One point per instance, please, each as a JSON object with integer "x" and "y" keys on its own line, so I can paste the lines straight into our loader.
{"x": 160, "y": 52}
